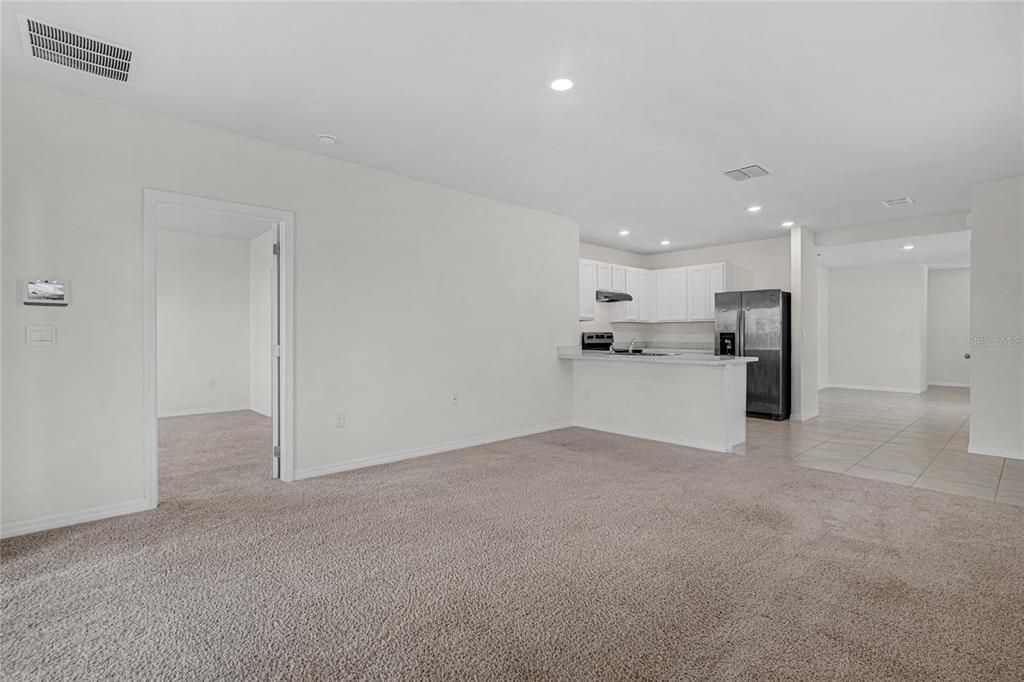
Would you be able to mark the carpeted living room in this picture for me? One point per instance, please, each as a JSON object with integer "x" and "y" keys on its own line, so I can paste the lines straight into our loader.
{"x": 518, "y": 340}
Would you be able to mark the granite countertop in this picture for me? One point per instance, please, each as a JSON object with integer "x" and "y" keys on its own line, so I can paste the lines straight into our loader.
{"x": 681, "y": 358}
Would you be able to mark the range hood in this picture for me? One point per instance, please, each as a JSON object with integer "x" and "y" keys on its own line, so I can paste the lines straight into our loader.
{"x": 608, "y": 296}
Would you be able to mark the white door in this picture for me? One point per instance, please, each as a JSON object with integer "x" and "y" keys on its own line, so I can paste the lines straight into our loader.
{"x": 671, "y": 295}
{"x": 275, "y": 348}
{"x": 697, "y": 293}
{"x": 645, "y": 302}
{"x": 588, "y": 285}
{"x": 604, "y": 276}
{"x": 633, "y": 289}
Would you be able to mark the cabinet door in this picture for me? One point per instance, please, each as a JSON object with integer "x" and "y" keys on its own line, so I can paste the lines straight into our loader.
{"x": 588, "y": 284}
{"x": 633, "y": 289}
{"x": 604, "y": 275}
{"x": 645, "y": 304}
{"x": 717, "y": 283}
{"x": 618, "y": 278}
{"x": 671, "y": 295}
{"x": 697, "y": 293}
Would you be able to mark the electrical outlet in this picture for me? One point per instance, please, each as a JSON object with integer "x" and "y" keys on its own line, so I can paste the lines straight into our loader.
{"x": 339, "y": 420}
{"x": 212, "y": 384}
{"x": 455, "y": 399}
{"x": 586, "y": 394}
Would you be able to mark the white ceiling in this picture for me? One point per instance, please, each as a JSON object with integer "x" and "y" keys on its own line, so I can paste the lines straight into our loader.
{"x": 937, "y": 251}
{"x": 845, "y": 103}
{"x": 214, "y": 223}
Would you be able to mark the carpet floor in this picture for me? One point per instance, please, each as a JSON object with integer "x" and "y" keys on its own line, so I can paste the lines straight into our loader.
{"x": 571, "y": 554}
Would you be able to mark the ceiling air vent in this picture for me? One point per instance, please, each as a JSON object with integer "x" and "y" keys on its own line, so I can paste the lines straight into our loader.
{"x": 898, "y": 201}
{"x": 746, "y": 173}
{"x": 75, "y": 50}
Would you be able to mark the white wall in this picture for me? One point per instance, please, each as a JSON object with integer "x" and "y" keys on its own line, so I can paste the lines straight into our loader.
{"x": 260, "y": 265}
{"x": 202, "y": 323}
{"x": 878, "y": 327}
{"x": 949, "y": 325}
{"x": 997, "y": 318}
{"x": 822, "y": 327}
{"x": 762, "y": 264}
{"x": 488, "y": 289}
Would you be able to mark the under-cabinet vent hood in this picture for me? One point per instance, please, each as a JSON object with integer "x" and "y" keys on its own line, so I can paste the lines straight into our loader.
{"x": 607, "y": 296}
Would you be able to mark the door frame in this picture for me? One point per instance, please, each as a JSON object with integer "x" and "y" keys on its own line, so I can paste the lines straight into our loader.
{"x": 151, "y": 200}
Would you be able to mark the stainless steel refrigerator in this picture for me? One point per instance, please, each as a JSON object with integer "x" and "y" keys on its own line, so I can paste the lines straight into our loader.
{"x": 756, "y": 324}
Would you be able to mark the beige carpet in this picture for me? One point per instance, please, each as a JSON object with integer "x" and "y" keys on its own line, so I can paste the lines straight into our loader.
{"x": 571, "y": 554}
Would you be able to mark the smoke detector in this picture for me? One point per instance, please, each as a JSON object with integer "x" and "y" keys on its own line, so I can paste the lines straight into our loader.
{"x": 745, "y": 173}
{"x": 75, "y": 50}
{"x": 897, "y": 201}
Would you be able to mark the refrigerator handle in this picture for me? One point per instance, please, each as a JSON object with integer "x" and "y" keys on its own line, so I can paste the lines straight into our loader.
{"x": 741, "y": 333}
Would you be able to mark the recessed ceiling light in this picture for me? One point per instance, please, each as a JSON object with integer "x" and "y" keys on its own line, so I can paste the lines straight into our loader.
{"x": 325, "y": 139}
{"x": 561, "y": 84}
{"x": 908, "y": 247}
{"x": 754, "y": 209}
{"x": 665, "y": 242}
{"x": 623, "y": 233}
{"x": 788, "y": 223}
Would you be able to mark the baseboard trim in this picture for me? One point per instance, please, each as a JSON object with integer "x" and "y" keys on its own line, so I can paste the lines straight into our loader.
{"x": 948, "y": 383}
{"x": 203, "y": 410}
{"x": 688, "y": 442}
{"x": 412, "y": 453}
{"x": 885, "y": 389}
{"x": 259, "y": 412}
{"x": 799, "y": 417}
{"x": 11, "y": 530}
{"x": 980, "y": 449}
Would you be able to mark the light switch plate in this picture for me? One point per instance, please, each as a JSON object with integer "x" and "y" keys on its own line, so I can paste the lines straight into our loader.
{"x": 41, "y": 335}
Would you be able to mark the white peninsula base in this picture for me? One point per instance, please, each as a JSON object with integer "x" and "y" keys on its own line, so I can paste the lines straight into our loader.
{"x": 699, "y": 401}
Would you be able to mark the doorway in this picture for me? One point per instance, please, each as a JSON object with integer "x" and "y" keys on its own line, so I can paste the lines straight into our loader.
{"x": 211, "y": 239}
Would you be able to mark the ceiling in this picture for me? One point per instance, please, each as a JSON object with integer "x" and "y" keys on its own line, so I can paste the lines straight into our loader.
{"x": 845, "y": 104}
{"x": 221, "y": 224}
{"x": 937, "y": 251}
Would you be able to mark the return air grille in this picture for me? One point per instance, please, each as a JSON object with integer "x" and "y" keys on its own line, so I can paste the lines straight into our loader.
{"x": 897, "y": 201}
{"x": 75, "y": 51}
{"x": 746, "y": 173}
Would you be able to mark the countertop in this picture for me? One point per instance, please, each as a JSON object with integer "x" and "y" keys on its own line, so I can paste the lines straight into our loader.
{"x": 705, "y": 359}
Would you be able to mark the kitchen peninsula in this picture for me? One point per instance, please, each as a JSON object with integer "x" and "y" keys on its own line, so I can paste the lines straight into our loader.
{"x": 694, "y": 399}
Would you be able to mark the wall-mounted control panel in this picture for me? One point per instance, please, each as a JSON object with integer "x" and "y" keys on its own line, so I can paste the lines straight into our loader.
{"x": 41, "y": 335}
{"x": 46, "y": 292}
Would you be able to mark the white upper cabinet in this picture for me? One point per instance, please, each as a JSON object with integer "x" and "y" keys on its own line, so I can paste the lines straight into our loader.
{"x": 604, "y": 276}
{"x": 646, "y": 306}
{"x": 588, "y": 285}
{"x": 685, "y": 294}
{"x": 671, "y": 294}
{"x": 697, "y": 307}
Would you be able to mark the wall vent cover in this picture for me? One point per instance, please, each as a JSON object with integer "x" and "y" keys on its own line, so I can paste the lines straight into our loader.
{"x": 897, "y": 201}
{"x": 75, "y": 50}
{"x": 746, "y": 173}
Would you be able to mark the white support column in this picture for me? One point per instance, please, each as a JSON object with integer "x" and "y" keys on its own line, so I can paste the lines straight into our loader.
{"x": 803, "y": 263}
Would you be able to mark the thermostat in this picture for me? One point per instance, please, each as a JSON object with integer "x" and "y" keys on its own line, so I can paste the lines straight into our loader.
{"x": 46, "y": 292}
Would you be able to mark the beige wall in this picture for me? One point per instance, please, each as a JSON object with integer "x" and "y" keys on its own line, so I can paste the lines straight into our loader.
{"x": 878, "y": 327}
{"x": 202, "y": 323}
{"x": 260, "y": 265}
{"x": 488, "y": 289}
{"x": 762, "y": 264}
{"x": 997, "y": 318}
{"x": 949, "y": 325}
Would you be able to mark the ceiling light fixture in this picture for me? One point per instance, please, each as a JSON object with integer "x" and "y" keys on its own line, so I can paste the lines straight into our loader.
{"x": 623, "y": 233}
{"x": 325, "y": 139}
{"x": 754, "y": 209}
{"x": 788, "y": 223}
{"x": 665, "y": 242}
{"x": 561, "y": 84}
{"x": 908, "y": 247}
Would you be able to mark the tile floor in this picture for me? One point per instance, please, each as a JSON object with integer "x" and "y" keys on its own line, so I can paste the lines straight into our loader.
{"x": 914, "y": 440}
